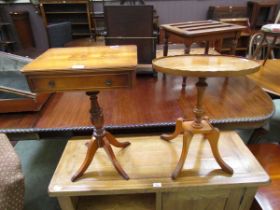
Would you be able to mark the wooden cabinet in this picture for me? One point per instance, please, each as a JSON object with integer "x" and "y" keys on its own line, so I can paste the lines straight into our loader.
{"x": 261, "y": 11}
{"x": 6, "y": 42}
{"x": 236, "y": 15}
{"x": 76, "y": 12}
{"x": 149, "y": 162}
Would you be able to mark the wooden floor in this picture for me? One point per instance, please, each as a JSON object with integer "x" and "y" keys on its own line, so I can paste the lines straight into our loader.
{"x": 267, "y": 197}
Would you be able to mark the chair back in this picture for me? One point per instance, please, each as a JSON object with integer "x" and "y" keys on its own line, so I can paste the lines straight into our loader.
{"x": 277, "y": 17}
{"x": 59, "y": 34}
{"x": 131, "y": 25}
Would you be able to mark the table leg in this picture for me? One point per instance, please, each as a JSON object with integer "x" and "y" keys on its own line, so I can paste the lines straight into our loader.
{"x": 165, "y": 47}
{"x": 187, "y": 51}
{"x": 200, "y": 125}
{"x": 206, "y": 51}
{"x": 178, "y": 130}
{"x": 187, "y": 137}
{"x": 235, "y": 42}
{"x": 259, "y": 46}
{"x": 100, "y": 138}
{"x": 270, "y": 47}
{"x": 213, "y": 138}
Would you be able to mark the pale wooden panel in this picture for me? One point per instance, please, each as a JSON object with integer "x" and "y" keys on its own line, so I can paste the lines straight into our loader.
{"x": 150, "y": 160}
{"x": 67, "y": 203}
{"x": 248, "y": 198}
{"x": 117, "y": 202}
{"x": 234, "y": 199}
{"x": 195, "y": 199}
{"x": 205, "y": 66}
{"x": 268, "y": 77}
{"x": 84, "y": 58}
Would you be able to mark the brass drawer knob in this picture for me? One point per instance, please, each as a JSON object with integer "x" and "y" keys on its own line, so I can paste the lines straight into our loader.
{"x": 51, "y": 84}
{"x": 108, "y": 82}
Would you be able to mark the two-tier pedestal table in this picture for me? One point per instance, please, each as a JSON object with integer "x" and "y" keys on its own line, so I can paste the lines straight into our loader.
{"x": 89, "y": 69}
{"x": 202, "y": 66}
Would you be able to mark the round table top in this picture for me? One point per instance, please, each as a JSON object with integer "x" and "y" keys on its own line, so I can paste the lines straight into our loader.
{"x": 205, "y": 65}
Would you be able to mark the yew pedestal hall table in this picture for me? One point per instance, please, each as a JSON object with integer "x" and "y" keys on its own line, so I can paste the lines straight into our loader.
{"x": 89, "y": 69}
{"x": 201, "y": 66}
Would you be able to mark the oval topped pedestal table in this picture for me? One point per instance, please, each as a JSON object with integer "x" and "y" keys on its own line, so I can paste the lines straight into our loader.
{"x": 201, "y": 66}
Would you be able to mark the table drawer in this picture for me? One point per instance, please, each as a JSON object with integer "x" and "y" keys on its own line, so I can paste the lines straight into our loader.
{"x": 85, "y": 82}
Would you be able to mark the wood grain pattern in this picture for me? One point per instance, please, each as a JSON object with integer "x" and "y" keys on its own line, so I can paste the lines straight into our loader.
{"x": 160, "y": 100}
{"x": 268, "y": 156}
{"x": 205, "y": 66}
{"x": 146, "y": 166}
{"x": 157, "y": 101}
{"x": 268, "y": 77}
{"x": 193, "y": 28}
{"x": 84, "y": 59}
{"x": 202, "y": 186}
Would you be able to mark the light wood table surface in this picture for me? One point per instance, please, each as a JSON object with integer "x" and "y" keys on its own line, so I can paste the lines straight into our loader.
{"x": 268, "y": 77}
{"x": 149, "y": 162}
{"x": 201, "y": 66}
{"x": 88, "y": 69}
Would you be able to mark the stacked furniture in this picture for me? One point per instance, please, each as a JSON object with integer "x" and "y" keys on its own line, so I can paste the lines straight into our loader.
{"x": 236, "y": 15}
{"x": 76, "y": 12}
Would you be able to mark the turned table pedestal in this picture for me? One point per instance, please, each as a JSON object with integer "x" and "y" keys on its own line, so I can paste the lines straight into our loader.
{"x": 88, "y": 69}
{"x": 201, "y": 66}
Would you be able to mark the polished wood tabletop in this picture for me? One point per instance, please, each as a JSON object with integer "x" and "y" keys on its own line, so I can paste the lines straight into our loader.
{"x": 268, "y": 77}
{"x": 154, "y": 102}
{"x": 84, "y": 59}
{"x": 205, "y": 65}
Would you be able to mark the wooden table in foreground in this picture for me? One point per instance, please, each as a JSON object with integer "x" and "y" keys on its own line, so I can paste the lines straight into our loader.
{"x": 202, "y": 184}
{"x": 268, "y": 77}
{"x": 201, "y": 66}
{"x": 87, "y": 69}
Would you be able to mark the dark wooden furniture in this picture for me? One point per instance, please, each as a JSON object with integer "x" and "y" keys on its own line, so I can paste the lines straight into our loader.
{"x": 23, "y": 28}
{"x": 260, "y": 11}
{"x": 222, "y": 11}
{"x": 270, "y": 44}
{"x": 268, "y": 77}
{"x": 132, "y": 25}
{"x": 243, "y": 41}
{"x": 236, "y": 15}
{"x": 267, "y": 197}
{"x": 75, "y": 11}
{"x": 202, "y": 185}
{"x": 201, "y": 66}
{"x": 201, "y": 31}
{"x": 58, "y": 118}
{"x": 82, "y": 69}
{"x": 6, "y": 42}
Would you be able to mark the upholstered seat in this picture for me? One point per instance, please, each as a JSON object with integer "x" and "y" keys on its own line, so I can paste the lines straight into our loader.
{"x": 59, "y": 34}
{"x": 11, "y": 177}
